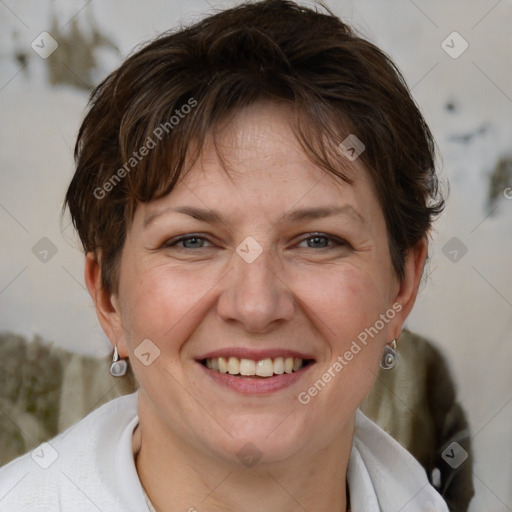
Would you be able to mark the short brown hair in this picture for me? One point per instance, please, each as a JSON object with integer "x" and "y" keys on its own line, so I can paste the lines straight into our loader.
{"x": 186, "y": 81}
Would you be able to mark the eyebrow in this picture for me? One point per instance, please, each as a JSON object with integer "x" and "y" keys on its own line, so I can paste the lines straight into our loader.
{"x": 294, "y": 216}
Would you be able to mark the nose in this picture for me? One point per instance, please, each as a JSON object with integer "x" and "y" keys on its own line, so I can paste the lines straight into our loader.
{"x": 255, "y": 295}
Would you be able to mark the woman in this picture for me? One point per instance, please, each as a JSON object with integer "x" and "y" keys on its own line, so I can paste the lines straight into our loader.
{"x": 254, "y": 196}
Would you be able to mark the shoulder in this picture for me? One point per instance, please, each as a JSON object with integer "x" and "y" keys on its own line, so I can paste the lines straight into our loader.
{"x": 79, "y": 470}
{"x": 383, "y": 476}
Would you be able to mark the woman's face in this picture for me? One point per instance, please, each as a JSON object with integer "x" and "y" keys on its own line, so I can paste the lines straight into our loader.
{"x": 258, "y": 278}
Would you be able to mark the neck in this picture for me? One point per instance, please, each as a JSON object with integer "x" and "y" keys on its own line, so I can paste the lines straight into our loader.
{"x": 179, "y": 474}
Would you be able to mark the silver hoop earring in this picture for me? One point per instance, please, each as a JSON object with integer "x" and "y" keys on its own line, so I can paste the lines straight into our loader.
{"x": 389, "y": 356}
{"x": 119, "y": 366}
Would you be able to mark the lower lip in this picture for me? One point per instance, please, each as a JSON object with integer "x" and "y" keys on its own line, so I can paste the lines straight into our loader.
{"x": 256, "y": 385}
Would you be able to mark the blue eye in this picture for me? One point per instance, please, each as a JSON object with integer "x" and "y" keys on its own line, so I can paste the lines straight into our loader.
{"x": 324, "y": 240}
{"x": 318, "y": 241}
{"x": 195, "y": 239}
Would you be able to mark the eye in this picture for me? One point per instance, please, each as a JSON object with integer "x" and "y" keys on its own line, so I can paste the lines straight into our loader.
{"x": 321, "y": 241}
{"x": 314, "y": 241}
{"x": 191, "y": 241}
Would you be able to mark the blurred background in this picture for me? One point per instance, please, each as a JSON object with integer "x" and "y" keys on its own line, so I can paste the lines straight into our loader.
{"x": 457, "y": 59}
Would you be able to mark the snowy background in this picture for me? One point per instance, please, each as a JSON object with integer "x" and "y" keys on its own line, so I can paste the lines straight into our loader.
{"x": 466, "y": 300}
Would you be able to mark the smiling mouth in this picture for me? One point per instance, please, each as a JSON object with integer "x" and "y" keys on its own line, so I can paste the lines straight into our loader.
{"x": 252, "y": 368}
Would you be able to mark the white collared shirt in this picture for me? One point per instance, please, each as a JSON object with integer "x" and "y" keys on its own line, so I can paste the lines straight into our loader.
{"x": 90, "y": 467}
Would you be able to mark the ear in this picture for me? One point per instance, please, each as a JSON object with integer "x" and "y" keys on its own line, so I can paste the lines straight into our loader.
{"x": 409, "y": 285}
{"x": 106, "y": 304}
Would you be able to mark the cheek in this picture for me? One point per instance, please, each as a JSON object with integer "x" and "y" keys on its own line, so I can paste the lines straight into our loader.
{"x": 348, "y": 303}
{"x": 160, "y": 302}
{"x": 347, "y": 306}
{"x": 342, "y": 300}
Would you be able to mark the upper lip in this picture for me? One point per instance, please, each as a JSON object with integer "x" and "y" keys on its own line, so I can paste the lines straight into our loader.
{"x": 256, "y": 355}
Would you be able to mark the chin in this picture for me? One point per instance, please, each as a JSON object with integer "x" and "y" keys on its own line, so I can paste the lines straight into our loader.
{"x": 262, "y": 437}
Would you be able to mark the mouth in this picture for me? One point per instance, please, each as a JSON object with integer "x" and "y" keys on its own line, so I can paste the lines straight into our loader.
{"x": 256, "y": 368}
{"x": 249, "y": 371}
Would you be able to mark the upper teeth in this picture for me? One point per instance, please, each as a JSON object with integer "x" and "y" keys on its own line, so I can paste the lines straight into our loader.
{"x": 262, "y": 368}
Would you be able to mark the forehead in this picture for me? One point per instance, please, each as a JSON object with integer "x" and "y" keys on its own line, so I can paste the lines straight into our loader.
{"x": 254, "y": 162}
{"x": 259, "y": 142}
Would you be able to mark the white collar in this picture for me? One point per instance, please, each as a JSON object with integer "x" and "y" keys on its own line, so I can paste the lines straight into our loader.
{"x": 95, "y": 468}
{"x": 384, "y": 477}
